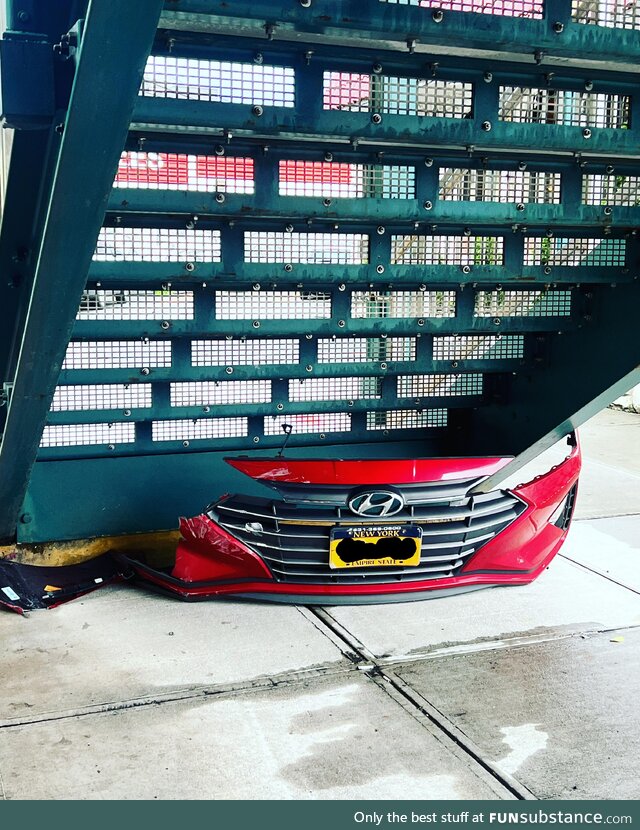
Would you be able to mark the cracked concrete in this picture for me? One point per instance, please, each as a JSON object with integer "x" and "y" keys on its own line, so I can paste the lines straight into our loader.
{"x": 506, "y": 693}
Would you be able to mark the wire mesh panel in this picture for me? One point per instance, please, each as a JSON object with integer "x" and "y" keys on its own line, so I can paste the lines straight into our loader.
{"x": 574, "y": 251}
{"x": 568, "y": 108}
{"x": 179, "y": 171}
{"x": 316, "y": 423}
{"x": 349, "y": 181}
{"x": 355, "y": 92}
{"x": 117, "y": 354}
{"x": 376, "y": 304}
{"x": 199, "y": 429}
{"x": 438, "y": 386}
{"x": 366, "y": 349}
{"x": 214, "y": 81}
{"x": 458, "y": 184}
{"x": 502, "y": 303}
{"x": 447, "y": 250}
{"x": 102, "y": 396}
{"x": 614, "y": 14}
{"x": 103, "y": 304}
{"x": 75, "y": 435}
{"x": 212, "y": 393}
{"x": 157, "y": 245}
{"x": 406, "y": 419}
{"x": 272, "y": 305}
{"x": 615, "y": 191}
{"x": 309, "y": 248}
{"x": 335, "y": 389}
{"x": 251, "y": 352}
{"x": 478, "y": 347}
{"x": 532, "y": 9}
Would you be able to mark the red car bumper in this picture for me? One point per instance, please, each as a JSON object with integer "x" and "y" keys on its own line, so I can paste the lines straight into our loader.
{"x": 499, "y": 538}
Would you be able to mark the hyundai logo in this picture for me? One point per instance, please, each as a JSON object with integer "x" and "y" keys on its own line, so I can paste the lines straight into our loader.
{"x": 376, "y": 503}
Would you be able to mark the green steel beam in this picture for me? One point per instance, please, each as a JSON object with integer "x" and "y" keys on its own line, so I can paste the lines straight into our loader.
{"x": 116, "y": 41}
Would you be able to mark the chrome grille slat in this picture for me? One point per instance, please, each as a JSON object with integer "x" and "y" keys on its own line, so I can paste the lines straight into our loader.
{"x": 294, "y": 540}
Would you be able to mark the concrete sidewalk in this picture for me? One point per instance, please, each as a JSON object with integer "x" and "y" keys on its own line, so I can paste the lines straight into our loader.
{"x": 498, "y": 694}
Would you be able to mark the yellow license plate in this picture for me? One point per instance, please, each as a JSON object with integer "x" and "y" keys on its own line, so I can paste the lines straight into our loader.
{"x": 371, "y": 546}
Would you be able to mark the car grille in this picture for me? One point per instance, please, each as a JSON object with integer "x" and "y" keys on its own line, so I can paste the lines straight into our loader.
{"x": 293, "y": 539}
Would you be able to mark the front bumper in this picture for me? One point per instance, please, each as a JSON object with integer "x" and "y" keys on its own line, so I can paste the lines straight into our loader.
{"x": 469, "y": 542}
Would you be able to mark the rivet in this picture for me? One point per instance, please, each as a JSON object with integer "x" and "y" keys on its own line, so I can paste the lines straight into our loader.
{"x": 322, "y": 435}
{"x": 547, "y": 269}
{"x": 219, "y": 150}
{"x": 189, "y": 266}
{"x": 111, "y": 446}
{"x": 437, "y": 15}
{"x": 609, "y": 169}
{"x": 558, "y": 27}
{"x": 380, "y": 230}
{"x": 380, "y": 269}
{"x": 522, "y": 165}
{"x": 308, "y": 368}
{"x": 256, "y": 286}
{"x": 586, "y": 133}
{"x": 466, "y": 231}
{"x": 256, "y": 440}
{"x": 341, "y": 324}
{"x": 185, "y": 443}
{"x": 165, "y": 324}
{"x": 607, "y": 211}
{"x": 376, "y": 118}
{"x": 308, "y": 337}
{"x": 280, "y": 407}
{"x": 428, "y": 205}
{"x": 206, "y": 409}
{"x": 257, "y": 111}
{"x": 229, "y": 370}
{"x": 288, "y": 267}
{"x": 588, "y": 85}
{"x": 421, "y": 322}
{"x": 466, "y": 269}
{"x": 26, "y": 518}
{"x": 428, "y": 162}
{"x": 127, "y": 413}
{"x": 520, "y": 206}
{"x": 488, "y": 77}
{"x": 145, "y": 371}
{"x": 342, "y": 287}
{"x": 486, "y": 126}
{"x": 383, "y": 365}
{"x": 326, "y": 202}
{"x": 454, "y": 364}
{"x": 256, "y": 324}
{"x": 377, "y": 68}
{"x": 328, "y": 156}
{"x": 305, "y": 3}
{"x": 220, "y": 197}
{"x": 496, "y": 321}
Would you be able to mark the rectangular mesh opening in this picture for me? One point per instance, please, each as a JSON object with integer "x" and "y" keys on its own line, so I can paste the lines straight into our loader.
{"x": 74, "y": 435}
{"x": 178, "y": 171}
{"x": 222, "y": 82}
{"x": 366, "y": 349}
{"x": 244, "y": 352}
{"x": 197, "y": 428}
{"x": 525, "y": 105}
{"x": 117, "y": 354}
{"x": 102, "y": 396}
{"x": 157, "y": 245}
{"x": 522, "y": 304}
{"x": 334, "y": 389}
{"x": 478, "y": 347}
{"x": 438, "y": 386}
{"x": 531, "y": 9}
{"x": 101, "y": 304}
{"x": 613, "y": 14}
{"x": 505, "y": 186}
{"x": 349, "y": 181}
{"x": 574, "y": 251}
{"x": 616, "y": 191}
{"x": 407, "y": 419}
{"x": 447, "y": 250}
{"x": 399, "y": 304}
{"x": 272, "y": 305}
{"x": 316, "y": 423}
{"x": 307, "y": 248}
{"x": 355, "y": 92}
{"x": 213, "y": 392}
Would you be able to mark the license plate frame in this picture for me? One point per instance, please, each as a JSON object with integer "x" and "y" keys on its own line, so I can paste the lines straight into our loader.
{"x": 342, "y": 556}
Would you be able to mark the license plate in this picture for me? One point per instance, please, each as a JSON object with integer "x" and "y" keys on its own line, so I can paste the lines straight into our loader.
{"x": 362, "y": 547}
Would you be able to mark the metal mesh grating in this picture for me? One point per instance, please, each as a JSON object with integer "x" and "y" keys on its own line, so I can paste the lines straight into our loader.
{"x": 522, "y": 304}
{"x": 244, "y": 352}
{"x": 177, "y": 171}
{"x": 356, "y": 92}
{"x": 316, "y": 423}
{"x": 205, "y": 393}
{"x": 102, "y": 396}
{"x": 70, "y": 435}
{"x": 352, "y": 181}
{"x": 157, "y": 245}
{"x": 406, "y": 419}
{"x": 334, "y": 389}
{"x": 368, "y": 304}
{"x": 100, "y": 304}
{"x": 272, "y": 305}
{"x": 614, "y": 14}
{"x": 478, "y": 347}
{"x": 574, "y": 251}
{"x": 366, "y": 349}
{"x": 117, "y": 354}
{"x": 617, "y": 191}
{"x": 524, "y": 105}
{"x": 506, "y": 186}
{"x": 532, "y": 9}
{"x": 447, "y": 250}
{"x": 438, "y": 386}
{"x": 190, "y": 430}
{"x": 309, "y": 248}
{"x": 218, "y": 81}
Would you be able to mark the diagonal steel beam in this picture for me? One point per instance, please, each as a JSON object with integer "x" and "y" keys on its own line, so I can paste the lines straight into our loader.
{"x": 115, "y": 44}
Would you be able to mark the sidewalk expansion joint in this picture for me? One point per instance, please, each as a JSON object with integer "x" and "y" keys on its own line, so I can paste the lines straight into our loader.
{"x": 424, "y": 712}
{"x": 598, "y": 573}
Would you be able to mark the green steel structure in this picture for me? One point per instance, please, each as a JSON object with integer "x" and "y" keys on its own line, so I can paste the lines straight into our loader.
{"x": 392, "y": 228}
